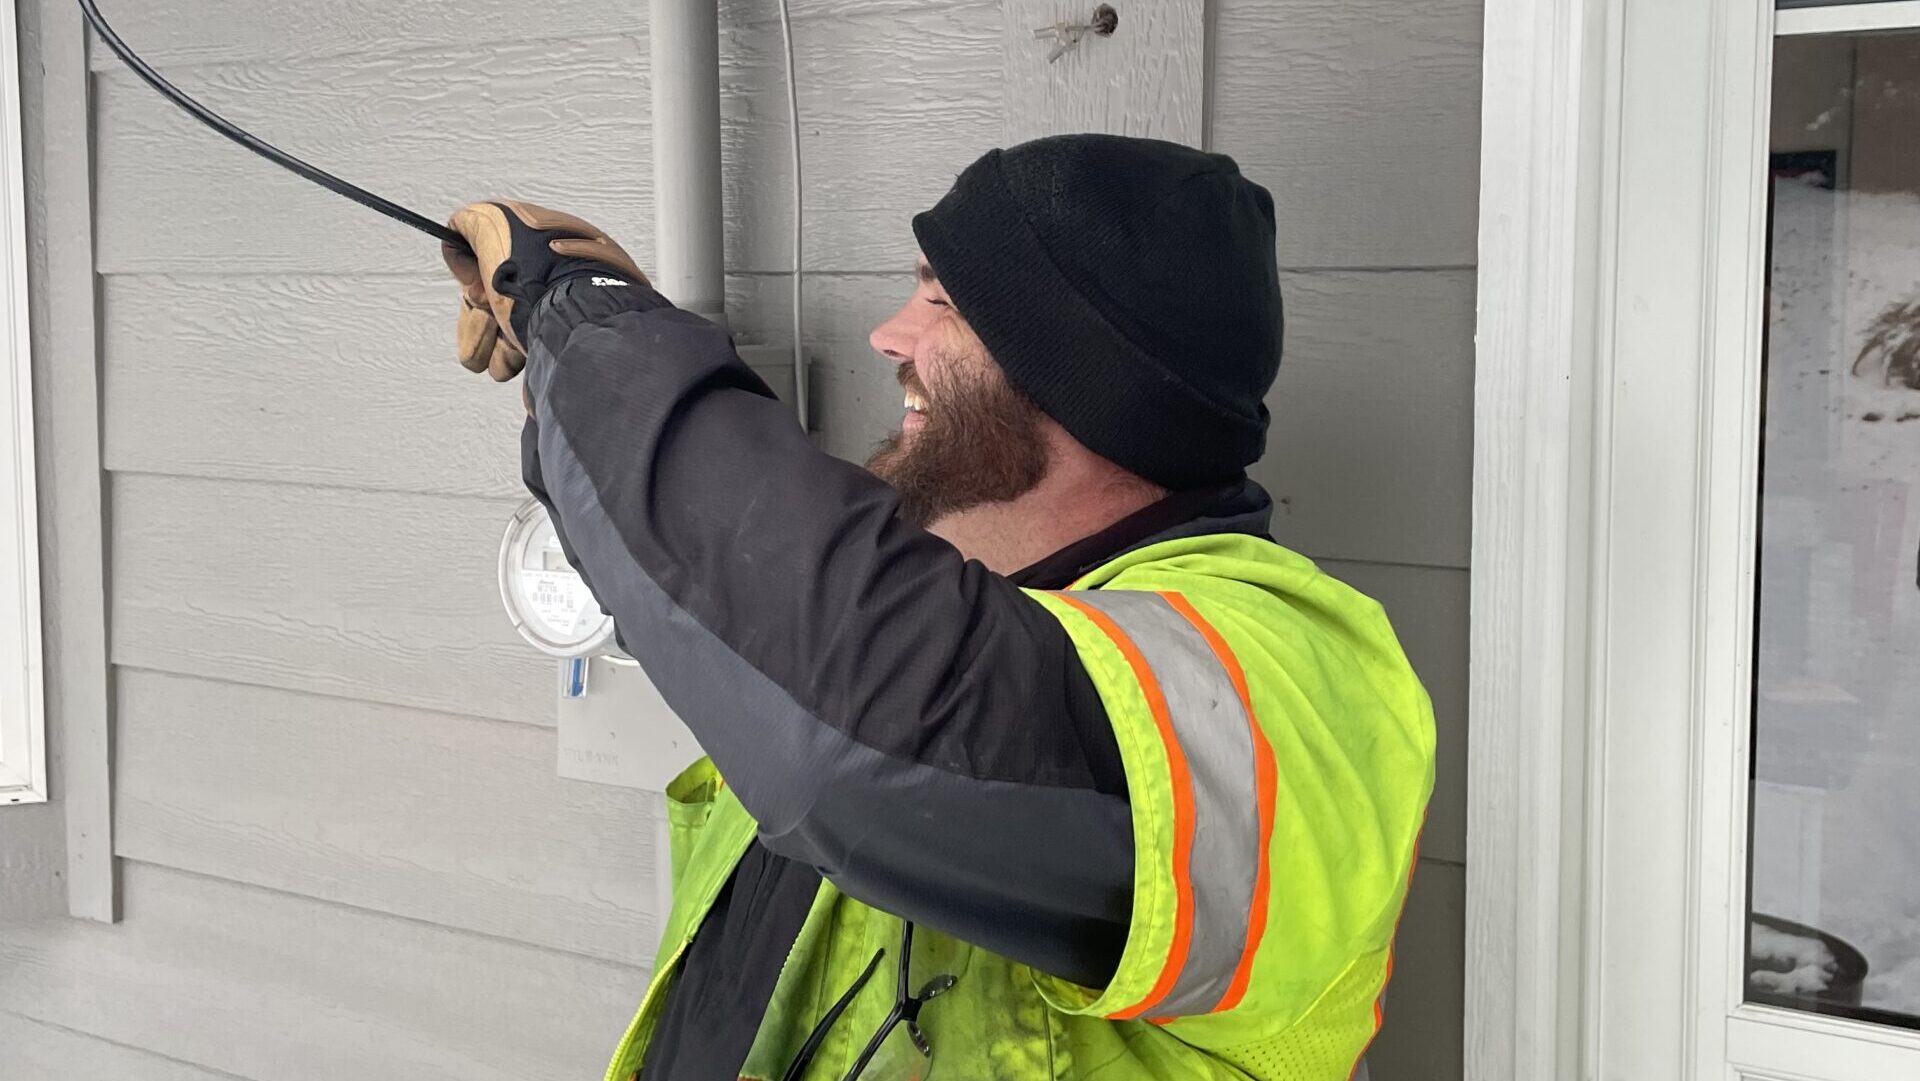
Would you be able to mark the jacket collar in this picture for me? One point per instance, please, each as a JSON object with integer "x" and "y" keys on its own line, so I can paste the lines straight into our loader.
{"x": 1236, "y": 506}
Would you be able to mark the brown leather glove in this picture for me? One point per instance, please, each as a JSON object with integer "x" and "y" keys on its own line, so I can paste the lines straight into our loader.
{"x": 519, "y": 252}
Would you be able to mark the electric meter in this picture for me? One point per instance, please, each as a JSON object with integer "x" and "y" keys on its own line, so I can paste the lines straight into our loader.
{"x": 546, "y": 598}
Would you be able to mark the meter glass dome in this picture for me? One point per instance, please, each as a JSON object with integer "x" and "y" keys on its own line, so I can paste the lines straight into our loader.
{"x": 546, "y": 599}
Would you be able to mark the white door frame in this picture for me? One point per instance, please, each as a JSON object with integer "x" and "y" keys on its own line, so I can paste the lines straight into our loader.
{"x": 1616, "y": 413}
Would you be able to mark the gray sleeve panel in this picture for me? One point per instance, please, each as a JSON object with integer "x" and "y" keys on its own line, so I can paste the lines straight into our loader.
{"x": 892, "y": 716}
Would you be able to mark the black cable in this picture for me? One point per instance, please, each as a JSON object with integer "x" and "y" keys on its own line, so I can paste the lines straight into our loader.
{"x": 271, "y": 153}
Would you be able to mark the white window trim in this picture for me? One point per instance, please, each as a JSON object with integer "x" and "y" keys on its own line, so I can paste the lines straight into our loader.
{"x": 23, "y": 752}
{"x": 1540, "y": 119}
{"x": 1615, "y": 423}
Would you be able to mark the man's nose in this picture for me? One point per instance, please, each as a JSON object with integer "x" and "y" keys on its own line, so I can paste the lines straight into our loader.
{"x": 894, "y": 338}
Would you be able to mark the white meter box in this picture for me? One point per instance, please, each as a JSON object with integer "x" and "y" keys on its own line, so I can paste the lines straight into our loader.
{"x": 618, "y": 730}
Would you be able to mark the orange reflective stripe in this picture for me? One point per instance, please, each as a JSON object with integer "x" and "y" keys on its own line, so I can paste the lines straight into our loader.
{"x": 1266, "y": 782}
{"x": 1182, "y": 784}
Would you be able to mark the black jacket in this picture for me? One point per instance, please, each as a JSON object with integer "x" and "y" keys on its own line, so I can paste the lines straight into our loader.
{"x": 904, "y": 722}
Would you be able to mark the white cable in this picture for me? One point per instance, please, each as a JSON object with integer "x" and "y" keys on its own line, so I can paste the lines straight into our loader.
{"x": 793, "y": 113}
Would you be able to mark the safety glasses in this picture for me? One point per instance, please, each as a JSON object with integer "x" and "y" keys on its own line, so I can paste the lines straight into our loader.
{"x": 904, "y": 1016}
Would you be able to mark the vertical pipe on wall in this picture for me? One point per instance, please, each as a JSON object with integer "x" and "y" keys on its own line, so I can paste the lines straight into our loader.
{"x": 689, "y": 246}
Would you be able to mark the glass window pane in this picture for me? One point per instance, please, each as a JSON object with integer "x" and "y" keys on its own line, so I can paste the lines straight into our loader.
{"x": 1835, "y": 871}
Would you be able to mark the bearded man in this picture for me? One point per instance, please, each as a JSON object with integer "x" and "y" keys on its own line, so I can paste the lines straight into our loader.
{"x": 1033, "y": 756}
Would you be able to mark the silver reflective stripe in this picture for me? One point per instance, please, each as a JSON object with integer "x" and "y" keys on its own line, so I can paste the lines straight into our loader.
{"x": 1211, "y": 725}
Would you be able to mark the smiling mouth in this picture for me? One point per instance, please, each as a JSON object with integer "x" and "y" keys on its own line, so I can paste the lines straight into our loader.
{"x": 914, "y": 403}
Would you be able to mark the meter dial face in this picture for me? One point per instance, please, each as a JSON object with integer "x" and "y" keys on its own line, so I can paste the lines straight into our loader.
{"x": 548, "y": 603}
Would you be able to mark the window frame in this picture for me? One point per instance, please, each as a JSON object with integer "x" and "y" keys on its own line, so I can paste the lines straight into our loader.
{"x": 23, "y": 750}
{"x": 1757, "y": 1041}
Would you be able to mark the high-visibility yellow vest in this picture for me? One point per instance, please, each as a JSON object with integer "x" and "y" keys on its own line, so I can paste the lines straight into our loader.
{"x": 1279, "y": 754}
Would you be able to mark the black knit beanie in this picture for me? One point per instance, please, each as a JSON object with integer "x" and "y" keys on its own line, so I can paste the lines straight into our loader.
{"x": 1127, "y": 286}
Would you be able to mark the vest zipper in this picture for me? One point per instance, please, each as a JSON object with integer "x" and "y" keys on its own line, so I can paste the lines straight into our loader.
{"x": 646, "y": 1003}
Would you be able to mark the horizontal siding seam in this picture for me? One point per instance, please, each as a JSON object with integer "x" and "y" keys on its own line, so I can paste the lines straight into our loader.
{"x": 302, "y": 692}
{"x": 104, "y": 63}
{"x": 384, "y": 914}
{"x": 109, "y": 68}
{"x": 136, "y": 1048}
{"x": 508, "y": 501}
{"x": 1324, "y": 557}
{"x": 1377, "y": 268}
{"x": 406, "y": 277}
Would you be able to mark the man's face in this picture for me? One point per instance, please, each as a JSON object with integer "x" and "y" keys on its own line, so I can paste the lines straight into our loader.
{"x": 968, "y": 438}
